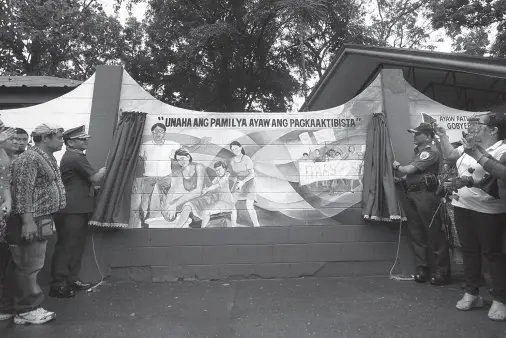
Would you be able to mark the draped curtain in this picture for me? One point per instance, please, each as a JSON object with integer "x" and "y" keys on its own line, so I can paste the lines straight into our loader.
{"x": 379, "y": 195}
{"x": 113, "y": 203}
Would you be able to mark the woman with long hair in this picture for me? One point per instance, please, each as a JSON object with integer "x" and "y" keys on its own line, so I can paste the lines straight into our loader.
{"x": 187, "y": 184}
{"x": 479, "y": 216}
{"x": 243, "y": 175}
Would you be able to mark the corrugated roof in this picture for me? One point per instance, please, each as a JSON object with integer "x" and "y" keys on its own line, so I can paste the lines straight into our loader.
{"x": 37, "y": 81}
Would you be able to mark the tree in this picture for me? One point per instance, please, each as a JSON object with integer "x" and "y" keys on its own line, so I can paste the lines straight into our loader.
{"x": 304, "y": 13}
{"x": 402, "y": 24}
{"x": 215, "y": 56}
{"x": 227, "y": 55}
{"x": 472, "y": 43}
{"x": 315, "y": 30}
{"x": 467, "y": 19}
{"x": 66, "y": 38}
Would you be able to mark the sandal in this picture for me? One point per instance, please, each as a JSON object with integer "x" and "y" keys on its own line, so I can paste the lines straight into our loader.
{"x": 469, "y": 302}
{"x": 497, "y": 311}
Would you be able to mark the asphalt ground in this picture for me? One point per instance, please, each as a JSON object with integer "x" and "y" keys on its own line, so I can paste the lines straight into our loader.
{"x": 308, "y": 307}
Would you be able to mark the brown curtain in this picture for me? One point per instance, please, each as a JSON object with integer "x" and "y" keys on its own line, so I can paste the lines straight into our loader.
{"x": 112, "y": 207}
{"x": 379, "y": 197}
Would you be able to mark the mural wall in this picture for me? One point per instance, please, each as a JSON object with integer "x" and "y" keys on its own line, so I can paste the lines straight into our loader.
{"x": 242, "y": 170}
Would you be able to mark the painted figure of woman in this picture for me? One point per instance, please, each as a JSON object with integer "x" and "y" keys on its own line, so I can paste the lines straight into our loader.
{"x": 243, "y": 175}
{"x": 214, "y": 200}
{"x": 187, "y": 184}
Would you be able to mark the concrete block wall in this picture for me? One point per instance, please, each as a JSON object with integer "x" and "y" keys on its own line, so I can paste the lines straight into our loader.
{"x": 161, "y": 255}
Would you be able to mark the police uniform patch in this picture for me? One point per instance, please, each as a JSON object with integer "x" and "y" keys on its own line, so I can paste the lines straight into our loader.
{"x": 424, "y": 155}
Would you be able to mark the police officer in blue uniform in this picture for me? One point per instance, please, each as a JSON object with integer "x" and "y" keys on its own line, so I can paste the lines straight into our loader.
{"x": 421, "y": 204}
{"x": 71, "y": 223}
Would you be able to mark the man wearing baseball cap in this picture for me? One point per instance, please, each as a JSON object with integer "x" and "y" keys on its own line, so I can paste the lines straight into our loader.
{"x": 37, "y": 194}
{"x": 420, "y": 206}
{"x": 71, "y": 223}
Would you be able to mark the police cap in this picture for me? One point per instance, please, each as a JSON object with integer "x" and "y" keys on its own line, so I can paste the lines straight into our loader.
{"x": 424, "y": 128}
{"x": 73, "y": 133}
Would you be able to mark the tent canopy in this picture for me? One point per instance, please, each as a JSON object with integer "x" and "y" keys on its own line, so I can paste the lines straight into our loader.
{"x": 457, "y": 81}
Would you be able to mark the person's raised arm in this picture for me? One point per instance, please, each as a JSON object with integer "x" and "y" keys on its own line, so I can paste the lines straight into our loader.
{"x": 496, "y": 168}
{"x": 449, "y": 152}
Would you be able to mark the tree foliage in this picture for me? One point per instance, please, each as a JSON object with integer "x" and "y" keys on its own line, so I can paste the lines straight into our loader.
{"x": 303, "y": 13}
{"x": 474, "y": 42}
{"x": 66, "y": 38}
{"x": 402, "y": 24}
{"x": 314, "y": 30}
{"x": 216, "y": 56}
{"x": 471, "y": 22}
{"x": 240, "y": 55}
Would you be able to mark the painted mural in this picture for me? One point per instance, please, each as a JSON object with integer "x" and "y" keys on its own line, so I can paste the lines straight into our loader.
{"x": 205, "y": 170}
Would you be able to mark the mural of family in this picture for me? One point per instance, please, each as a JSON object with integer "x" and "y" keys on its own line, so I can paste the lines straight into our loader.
{"x": 250, "y": 177}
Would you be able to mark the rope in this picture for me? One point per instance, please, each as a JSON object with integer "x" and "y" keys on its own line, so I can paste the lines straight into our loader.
{"x": 102, "y": 278}
{"x": 399, "y": 278}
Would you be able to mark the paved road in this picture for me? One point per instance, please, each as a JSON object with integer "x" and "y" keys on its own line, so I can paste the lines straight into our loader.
{"x": 311, "y": 307}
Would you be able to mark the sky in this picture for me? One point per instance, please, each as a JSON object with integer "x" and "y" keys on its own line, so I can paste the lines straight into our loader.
{"x": 138, "y": 12}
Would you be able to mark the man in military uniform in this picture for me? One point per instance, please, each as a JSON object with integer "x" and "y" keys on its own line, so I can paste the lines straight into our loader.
{"x": 421, "y": 204}
{"x": 71, "y": 223}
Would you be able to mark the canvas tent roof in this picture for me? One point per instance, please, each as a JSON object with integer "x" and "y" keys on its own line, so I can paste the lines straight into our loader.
{"x": 37, "y": 81}
{"x": 458, "y": 81}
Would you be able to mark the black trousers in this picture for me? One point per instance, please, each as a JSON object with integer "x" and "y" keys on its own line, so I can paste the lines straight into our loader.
{"x": 6, "y": 301}
{"x": 5, "y": 259}
{"x": 71, "y": 239}
{"x": 420, "y": 207}
{"x": 482, "y": 234}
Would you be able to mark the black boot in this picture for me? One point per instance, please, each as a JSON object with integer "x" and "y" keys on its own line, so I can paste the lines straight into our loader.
{"x": 78, "y": 285}
{"x": 62, "y": 292}
{"x": 421, "y": 275}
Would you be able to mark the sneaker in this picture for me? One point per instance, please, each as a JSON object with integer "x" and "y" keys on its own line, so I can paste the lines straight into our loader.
{"x": 6, "y": 315}
{"x": 37, "y": 316}
{"x": 469, "y": 302}
{"x": 497, "y": 311}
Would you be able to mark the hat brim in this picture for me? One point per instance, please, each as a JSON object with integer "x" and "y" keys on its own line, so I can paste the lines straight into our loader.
{"x": 412, "y": 131}
{"x": 79, "y": 136}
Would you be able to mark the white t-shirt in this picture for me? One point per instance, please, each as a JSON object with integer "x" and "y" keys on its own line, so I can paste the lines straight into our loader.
{"x": 157, "y": 157}
{"x": 474, "y": 198}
